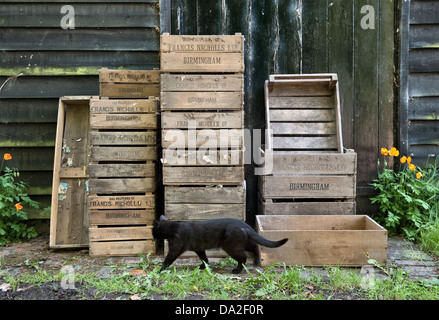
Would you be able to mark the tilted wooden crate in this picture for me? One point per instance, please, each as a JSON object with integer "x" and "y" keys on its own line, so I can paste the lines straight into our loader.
{"x": 306, "y": 169}
{"x": 69, "y": 220}
{"x": 123, "y": 175}
{"x": 322, "y": 240}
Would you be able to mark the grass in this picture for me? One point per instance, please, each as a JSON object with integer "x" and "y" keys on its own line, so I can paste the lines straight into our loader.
{"x": 277, "y": 282}
{"x": 429, "y": 238}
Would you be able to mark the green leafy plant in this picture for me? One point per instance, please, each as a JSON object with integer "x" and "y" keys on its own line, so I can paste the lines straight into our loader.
{"x": 408, "y": 198}
{"x": 13, "y": 201}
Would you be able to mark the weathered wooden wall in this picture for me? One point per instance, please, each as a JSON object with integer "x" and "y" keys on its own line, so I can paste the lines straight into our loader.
{"x": 302, "y": 36}
{"x": 40, "y": 62}
{"x": 419, "y": 94}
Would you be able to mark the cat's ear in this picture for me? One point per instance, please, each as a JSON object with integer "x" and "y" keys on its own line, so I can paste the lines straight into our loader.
{"x": 163, "y": 218}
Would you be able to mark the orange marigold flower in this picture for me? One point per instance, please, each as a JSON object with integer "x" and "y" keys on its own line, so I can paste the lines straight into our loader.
{"x": 384, "y": 151}
{"x": 412, "y": 167}
{"x": 7, "y": 156}
{"x": 418, "y": 175}
{"x": 18, "y": 206}
{"x": 394, "y": 152}
{"x": 409, "y": 160}
{"x": 403, "y": 159}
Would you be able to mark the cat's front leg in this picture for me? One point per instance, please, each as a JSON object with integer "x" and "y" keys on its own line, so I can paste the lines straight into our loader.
{"x": 203, "y": 257}
{"x": 170, "y": 258}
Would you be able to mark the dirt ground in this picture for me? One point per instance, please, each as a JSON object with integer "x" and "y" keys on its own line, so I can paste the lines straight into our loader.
{"x": 21, "y": 257}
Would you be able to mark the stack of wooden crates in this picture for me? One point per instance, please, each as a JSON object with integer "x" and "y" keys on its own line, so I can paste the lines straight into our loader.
{"x": 307, "y": 190}
{"x": 202, "y": 126}
{"x": 123, "y": 162}
{"x": 307, "y": 169}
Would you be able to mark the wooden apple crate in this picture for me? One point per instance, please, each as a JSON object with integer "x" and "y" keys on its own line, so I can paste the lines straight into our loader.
{"x": 204, "y": 203}
{"x": 306, "y": 169}
{"x": 202, "y": 54}
{"x": 69, "y": 222}
{"x": 323, "y": 240}
{"x": 131, "y": 84}
{"x": 123, "y": 175}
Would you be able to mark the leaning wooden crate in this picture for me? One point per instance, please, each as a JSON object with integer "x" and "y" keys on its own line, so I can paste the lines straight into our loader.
{"x": 129, "y": 84}
{"x": 69, "y": 222}
{"x": 306, "y": 170}
{"x": 123, "y": 171}
{"x": 349, "y": 240}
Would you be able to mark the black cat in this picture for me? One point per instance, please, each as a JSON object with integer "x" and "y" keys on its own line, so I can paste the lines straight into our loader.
{"x": 233, "y": 236}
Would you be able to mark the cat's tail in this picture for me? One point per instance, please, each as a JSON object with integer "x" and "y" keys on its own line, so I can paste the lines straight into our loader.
{"x": 265, "y": 242}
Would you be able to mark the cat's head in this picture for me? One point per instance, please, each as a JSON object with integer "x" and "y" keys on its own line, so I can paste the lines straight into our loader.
{"x": 158, "y": 228}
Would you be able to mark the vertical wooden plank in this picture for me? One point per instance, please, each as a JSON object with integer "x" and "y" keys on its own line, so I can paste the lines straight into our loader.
{"x": 165, "y": 16}
{"x": 385, "y": 74}
{"x": 366, "y": 94}
{"x": 235, "y": 14}
{"x": 314, "y": 37}
{"x": 404, "y": 28}
{"x": 340, "y": 61}
{"x": 209, "y": 17}
{"x": 289, "y": 28}
{"x": 183, "y": 17}
{"x": 260, "y": 49}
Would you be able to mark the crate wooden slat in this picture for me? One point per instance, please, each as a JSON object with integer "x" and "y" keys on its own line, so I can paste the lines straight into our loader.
{"x": 202, "y": 203}
{"x": 202, "y": 157}
{"x": 132, "y": 84}
{"x": 323, "y": 240}
{"x": 306, "y": 168}
{"x": 69, "y": 211}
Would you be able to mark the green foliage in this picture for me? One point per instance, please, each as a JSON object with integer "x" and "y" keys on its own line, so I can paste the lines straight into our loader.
{"x": 408, "y": 198}
{"x": 429, "y": 237}
{"x": 13, "y": 201}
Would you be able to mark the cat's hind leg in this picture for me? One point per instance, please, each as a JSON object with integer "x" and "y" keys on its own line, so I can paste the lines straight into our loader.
{"x": 254, "y": 249}
{"x": 203, "y": 257}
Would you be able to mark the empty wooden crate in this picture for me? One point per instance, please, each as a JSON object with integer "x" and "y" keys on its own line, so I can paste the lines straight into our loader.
{"x": 323, "y": 240}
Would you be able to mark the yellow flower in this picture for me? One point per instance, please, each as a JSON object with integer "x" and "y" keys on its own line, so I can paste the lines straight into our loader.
{"x": 409, "y": 160}
{"x": 384, "y": 151}
{"x": 18, "y": 206}
{"x": 418, "y": 175}
{"x": 403, "y": 159}
{"x": 394, "y": 152}
{"x": 7, "y": 156}
{"x": 412, "y": 167}
{"x": 195, "y": 288}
